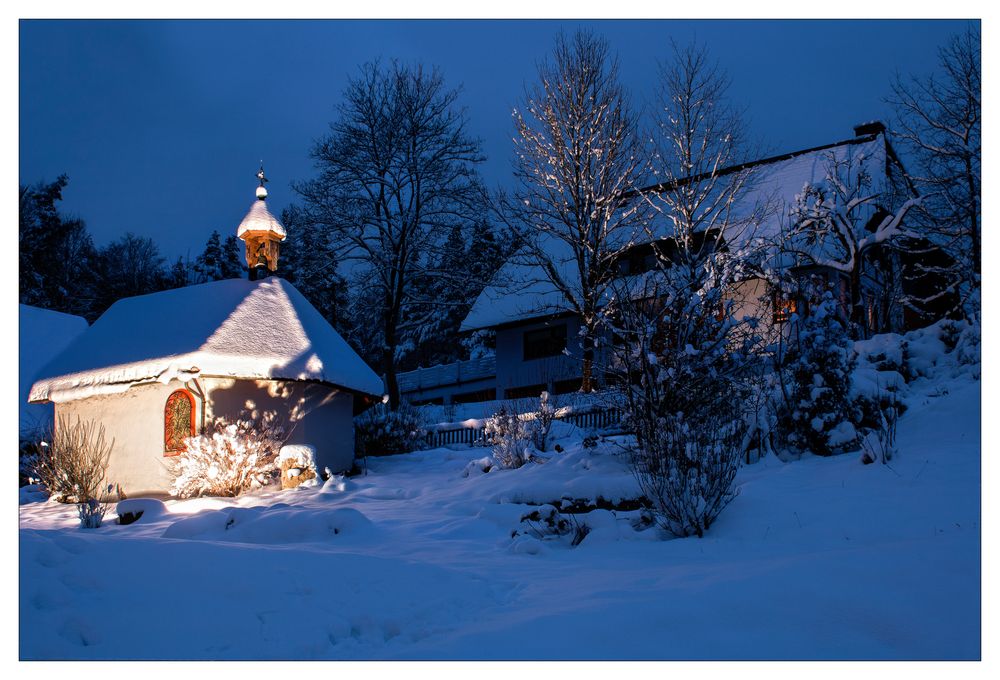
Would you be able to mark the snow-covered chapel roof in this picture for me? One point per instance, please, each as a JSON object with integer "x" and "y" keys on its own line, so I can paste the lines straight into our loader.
{"x": 520, "y": 290}
{"x": 259, "y": 218}
{"x": 235, "y": 328}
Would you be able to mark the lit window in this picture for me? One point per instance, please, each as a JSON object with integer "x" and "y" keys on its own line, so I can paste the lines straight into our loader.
{"x": 784, "y": 307}
{"x": 178, "y": 421}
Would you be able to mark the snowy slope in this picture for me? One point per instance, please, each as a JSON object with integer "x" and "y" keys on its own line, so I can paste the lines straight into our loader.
{"x": 232, "y": 328}
{"x": 823, "y": 558}
{"x": 42, "y": 335}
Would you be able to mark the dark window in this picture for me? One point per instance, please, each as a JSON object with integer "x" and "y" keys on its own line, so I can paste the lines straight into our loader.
{"x": 178, "y": 421}
{"x": 523, "y": 392}
{"x": 567, "y": 386}
{"x": 544, "y": 342}
{"x": 488, "y": 394}
{"x": 433, "y": 401}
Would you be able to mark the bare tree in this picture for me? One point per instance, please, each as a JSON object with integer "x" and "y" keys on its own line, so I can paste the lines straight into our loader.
{"x": 939, "y": 120}
{"x": 699, "y": 156}
{"x": 684, "y": 360}
{"x": 578, "y": 155}
{"x": 841, "y": 223}
{"x": 130, "y": 266}
{"x": 396, "y": 172}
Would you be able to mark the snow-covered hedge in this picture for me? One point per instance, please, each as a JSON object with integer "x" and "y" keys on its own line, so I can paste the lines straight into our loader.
{"x": 233, "y": 458}
{"x": 380, "y": 431}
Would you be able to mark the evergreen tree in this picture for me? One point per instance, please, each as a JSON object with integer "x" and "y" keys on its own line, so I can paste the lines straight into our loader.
{"x": 56, "y": 255}
{"x": 487, "y": 253}
{"x": 309, "y": 260}
{"x": 466, "y": 262}
{"x": 180, "y": 274}
{"x": 209, "y": 265}
{"x": 233, "y": 265}
{"x": 817, "y": 414}
{"x": 432, "y": 327}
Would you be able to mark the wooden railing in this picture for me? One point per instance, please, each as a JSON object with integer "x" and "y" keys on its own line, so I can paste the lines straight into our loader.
{"x": 593, "y": 419}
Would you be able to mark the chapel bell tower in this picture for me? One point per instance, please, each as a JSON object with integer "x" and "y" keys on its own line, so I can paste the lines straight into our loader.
{"x": 261, "y": 232}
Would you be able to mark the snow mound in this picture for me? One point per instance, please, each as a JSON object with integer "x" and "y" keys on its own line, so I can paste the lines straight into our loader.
{"x": 273, "y": 525}
{"x": 150, "y": 508}
{"x": 32, "y": 493}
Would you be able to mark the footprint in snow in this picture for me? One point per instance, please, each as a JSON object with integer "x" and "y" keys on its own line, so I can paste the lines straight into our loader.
{"x": 79, "y": 632}
{"x": 49, "y": 558}
{"x": 47, "y": 601}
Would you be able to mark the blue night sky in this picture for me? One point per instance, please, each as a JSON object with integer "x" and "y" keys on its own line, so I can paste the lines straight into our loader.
{"x": 160, "y": 125}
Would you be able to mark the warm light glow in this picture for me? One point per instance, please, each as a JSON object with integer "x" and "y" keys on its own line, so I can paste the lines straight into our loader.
{"x": 784, "y": 308}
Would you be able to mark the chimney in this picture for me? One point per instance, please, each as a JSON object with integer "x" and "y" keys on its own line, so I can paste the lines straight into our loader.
{"x": 871, "y": 128}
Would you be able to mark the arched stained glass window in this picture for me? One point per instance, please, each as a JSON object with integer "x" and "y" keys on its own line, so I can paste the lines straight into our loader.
{"x": 178, "y": 421}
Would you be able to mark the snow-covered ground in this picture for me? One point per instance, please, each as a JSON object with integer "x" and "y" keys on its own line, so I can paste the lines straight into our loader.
{"x": 822, "y": 558}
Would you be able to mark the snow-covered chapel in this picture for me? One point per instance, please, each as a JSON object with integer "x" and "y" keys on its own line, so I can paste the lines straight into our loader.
{"x": 154, "y": 369}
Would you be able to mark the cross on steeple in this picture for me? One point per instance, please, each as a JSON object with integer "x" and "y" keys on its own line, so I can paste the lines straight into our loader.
{"x": 260, "y": 175}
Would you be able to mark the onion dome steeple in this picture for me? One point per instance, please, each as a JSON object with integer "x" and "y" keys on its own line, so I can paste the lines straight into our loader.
{"x": 261, "y": 232}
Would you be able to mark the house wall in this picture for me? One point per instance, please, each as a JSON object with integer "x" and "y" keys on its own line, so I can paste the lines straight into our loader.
{"x": 446, "y": 393}
{"x": 134, "y": 420}
{"x": 445, "y": 382}
{"x": 751, "y": 298}
{"x": 315, "y": 414}
{"x": 514, "y": 371}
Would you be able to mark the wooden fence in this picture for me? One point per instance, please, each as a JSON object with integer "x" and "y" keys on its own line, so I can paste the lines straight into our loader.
{"x": 594, "y": 419}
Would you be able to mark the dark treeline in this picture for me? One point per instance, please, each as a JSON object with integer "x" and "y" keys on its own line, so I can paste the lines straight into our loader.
{"x": 395, "y": 235}
{"x": 63, "y": 270}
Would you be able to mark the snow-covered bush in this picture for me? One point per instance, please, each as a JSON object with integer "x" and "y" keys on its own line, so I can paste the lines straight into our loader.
{"x": 27, "y": 460}
{"x": 548, "y": 522}
{"x": 509, "y": 436}
{"x": 230, "y": 459}
{"x": 542, "y": 423}
{"x": 92, "y": 510}
{"x": 72, "y": 464}
{"x": 685, "y": 365}
{"x": 381, "y": 431}
{"x": 687, "y": 468}
{"x": 879, "y": 443}
{"x": 818, "y": 414}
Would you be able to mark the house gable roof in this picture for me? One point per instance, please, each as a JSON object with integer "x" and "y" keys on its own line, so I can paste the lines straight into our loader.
{"x": 235, "y": 328}
{"x": 520, "y": 290}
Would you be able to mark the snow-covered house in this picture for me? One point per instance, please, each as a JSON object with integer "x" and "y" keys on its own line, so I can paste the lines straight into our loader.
{"x": 42, "y": 335}
{"x": 157, "y": 368}
{"x": 535, "y": 328}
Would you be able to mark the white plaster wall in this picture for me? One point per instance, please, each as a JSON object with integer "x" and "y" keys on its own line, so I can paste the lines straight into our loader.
{"x": 134, "y": 419}
{"x": 315, "y": 414}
